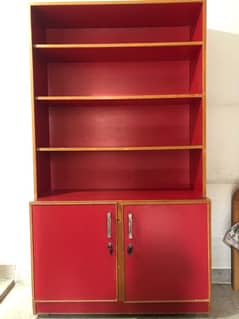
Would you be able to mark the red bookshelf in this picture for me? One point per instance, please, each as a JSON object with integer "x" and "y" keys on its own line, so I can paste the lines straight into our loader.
{"x": 119, "y": 157}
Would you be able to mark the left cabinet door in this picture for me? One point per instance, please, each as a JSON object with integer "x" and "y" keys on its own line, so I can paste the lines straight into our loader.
{"x": 74, "y": 252}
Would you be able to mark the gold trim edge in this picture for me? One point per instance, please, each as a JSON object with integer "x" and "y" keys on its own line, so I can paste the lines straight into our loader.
{"x": 114, "y": 300}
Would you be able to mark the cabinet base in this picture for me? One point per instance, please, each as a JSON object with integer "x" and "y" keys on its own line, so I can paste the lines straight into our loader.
{"x": 121, "y": 308}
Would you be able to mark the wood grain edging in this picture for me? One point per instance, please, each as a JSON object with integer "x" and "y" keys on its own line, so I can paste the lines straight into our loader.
{"x": 121, "y": 202}
{"x": 117, "y": 2}
{"x": 127, "y": 302}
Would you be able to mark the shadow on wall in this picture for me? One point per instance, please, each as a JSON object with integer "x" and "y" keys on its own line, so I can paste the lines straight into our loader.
{"x": 222, "y": 67}
{"x": 223, "y": 107}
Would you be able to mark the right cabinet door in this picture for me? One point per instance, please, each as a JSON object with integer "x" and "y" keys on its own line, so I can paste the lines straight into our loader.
{"x": 166, "y": 252}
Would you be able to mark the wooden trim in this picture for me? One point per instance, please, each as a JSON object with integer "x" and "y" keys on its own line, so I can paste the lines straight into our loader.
{"x": 168, "y": 301}
{"x": 72, "y": 301}
{"x": 127, "y": 302}
{"x": 32, "y": 260}
{"x": 117, "y": 2}
{"x": 116, "y": 97}
{"x": 204, "y": 43}
{"x": 204, "y": 112}
{"x": 204, "y": 157}
{"x": 209, "y": 254}
{"x": 163, "y": 202}
{"x": 109, "y": 149}
{"x": 118, "y": 45}
{"x": 47, "y": 203}
{"x": 235, "y": 252}
{"x": 122, "y": 202}
{"x": 33, "y": 113}
{"x": 123, "y": 313}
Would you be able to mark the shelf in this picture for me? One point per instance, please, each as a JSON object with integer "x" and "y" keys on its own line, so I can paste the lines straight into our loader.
{"x": 102, "y": 169}
{"x": 98, "y": 52}
{"x": 122, "y": 71}
{"x": 135, "y": 13}
{"x": 119, "y": 99}
{"x": 112, "y": 2}
{"x": 110, "y": 195}
{"x": 120, "y": 149}
{"x": 117, "y": 123}
{"x": 65, "y": 46}
{"x": 66, "y": 99}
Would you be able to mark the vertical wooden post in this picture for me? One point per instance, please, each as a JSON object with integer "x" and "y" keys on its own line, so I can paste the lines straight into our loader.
{"x": 235, "y": 252}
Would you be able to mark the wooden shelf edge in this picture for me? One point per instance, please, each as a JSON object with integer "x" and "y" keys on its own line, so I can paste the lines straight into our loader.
{"x": 118, "y": 97}
{"x": 116, "y": 2}
{"x": 112, "y": 149}
{"x": 118, "y": 45}
{"x": 121, "y": 196}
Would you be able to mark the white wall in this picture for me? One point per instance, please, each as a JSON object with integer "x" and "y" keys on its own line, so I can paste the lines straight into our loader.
{"x": 15, "y": 136}
{"x": 222, "y": 118}
{"x": 15, "y": 128}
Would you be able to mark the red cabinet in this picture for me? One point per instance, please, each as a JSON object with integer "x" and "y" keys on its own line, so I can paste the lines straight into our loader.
{"x": 166, "y": 249}
{"x": 71, "y": 254}
{"x": 120, "y": 214}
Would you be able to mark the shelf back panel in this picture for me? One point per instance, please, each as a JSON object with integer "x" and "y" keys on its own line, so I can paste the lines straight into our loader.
{"x": 120, "y": 35}
{"x": 117, "y": 16}
{"x": 129, "y": 124}
{"x": 115, "y": 78}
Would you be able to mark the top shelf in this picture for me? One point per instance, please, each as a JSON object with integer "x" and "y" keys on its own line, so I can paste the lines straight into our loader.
{"x": 112, "y": 2}
{"x": 118, "y": 13}
{"x": 118, "y": 21}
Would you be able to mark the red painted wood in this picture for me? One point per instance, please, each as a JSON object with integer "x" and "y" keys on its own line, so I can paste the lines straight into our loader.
{"x": 197, "y": 28}
{"x": 196, "y": 73}
{"x": 141, "y": 170}
{"x": 196, "y": 121}
{"x": 70, "y": 254}
{"x": 119, "y": 78}
{"x": 37, "y": 32}
{"x": 43, "y": 173}
{"x": 122, "y": 195}
{"x": 121, "y": 308}
{"x": 127, "y": 125}
{"x": 114, "y": 16}
{"x": 112, "y": 35}
{"x": 39, "y": 76}
{"x": 196, "y": 171}
{"x": 119, "y": 54}
{"x": 170, "y": 252}
{"x": 42, "y": 125}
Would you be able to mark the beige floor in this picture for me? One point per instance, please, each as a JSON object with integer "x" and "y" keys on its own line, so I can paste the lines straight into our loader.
{"x": 17, "y": 305}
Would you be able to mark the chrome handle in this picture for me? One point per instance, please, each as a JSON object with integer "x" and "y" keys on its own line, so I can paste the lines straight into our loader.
{"x": 130, "y": 220}
{"x": 109, "y": 233}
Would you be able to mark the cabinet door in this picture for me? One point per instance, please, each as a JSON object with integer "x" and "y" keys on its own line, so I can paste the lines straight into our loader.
{"x": 166, "y": 252}
{"x": 71, "y": 257}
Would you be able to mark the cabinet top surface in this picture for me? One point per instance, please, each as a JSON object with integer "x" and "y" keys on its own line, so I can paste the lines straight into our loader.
{"x": 113, "y": 2}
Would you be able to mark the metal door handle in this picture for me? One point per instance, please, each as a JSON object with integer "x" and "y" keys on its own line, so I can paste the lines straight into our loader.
{"x": 130, "y": 225}
{"x": 109, "y": 232}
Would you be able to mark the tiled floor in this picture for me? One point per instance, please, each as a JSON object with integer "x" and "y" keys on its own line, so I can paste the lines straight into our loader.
{"x": 17, "y": 305}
